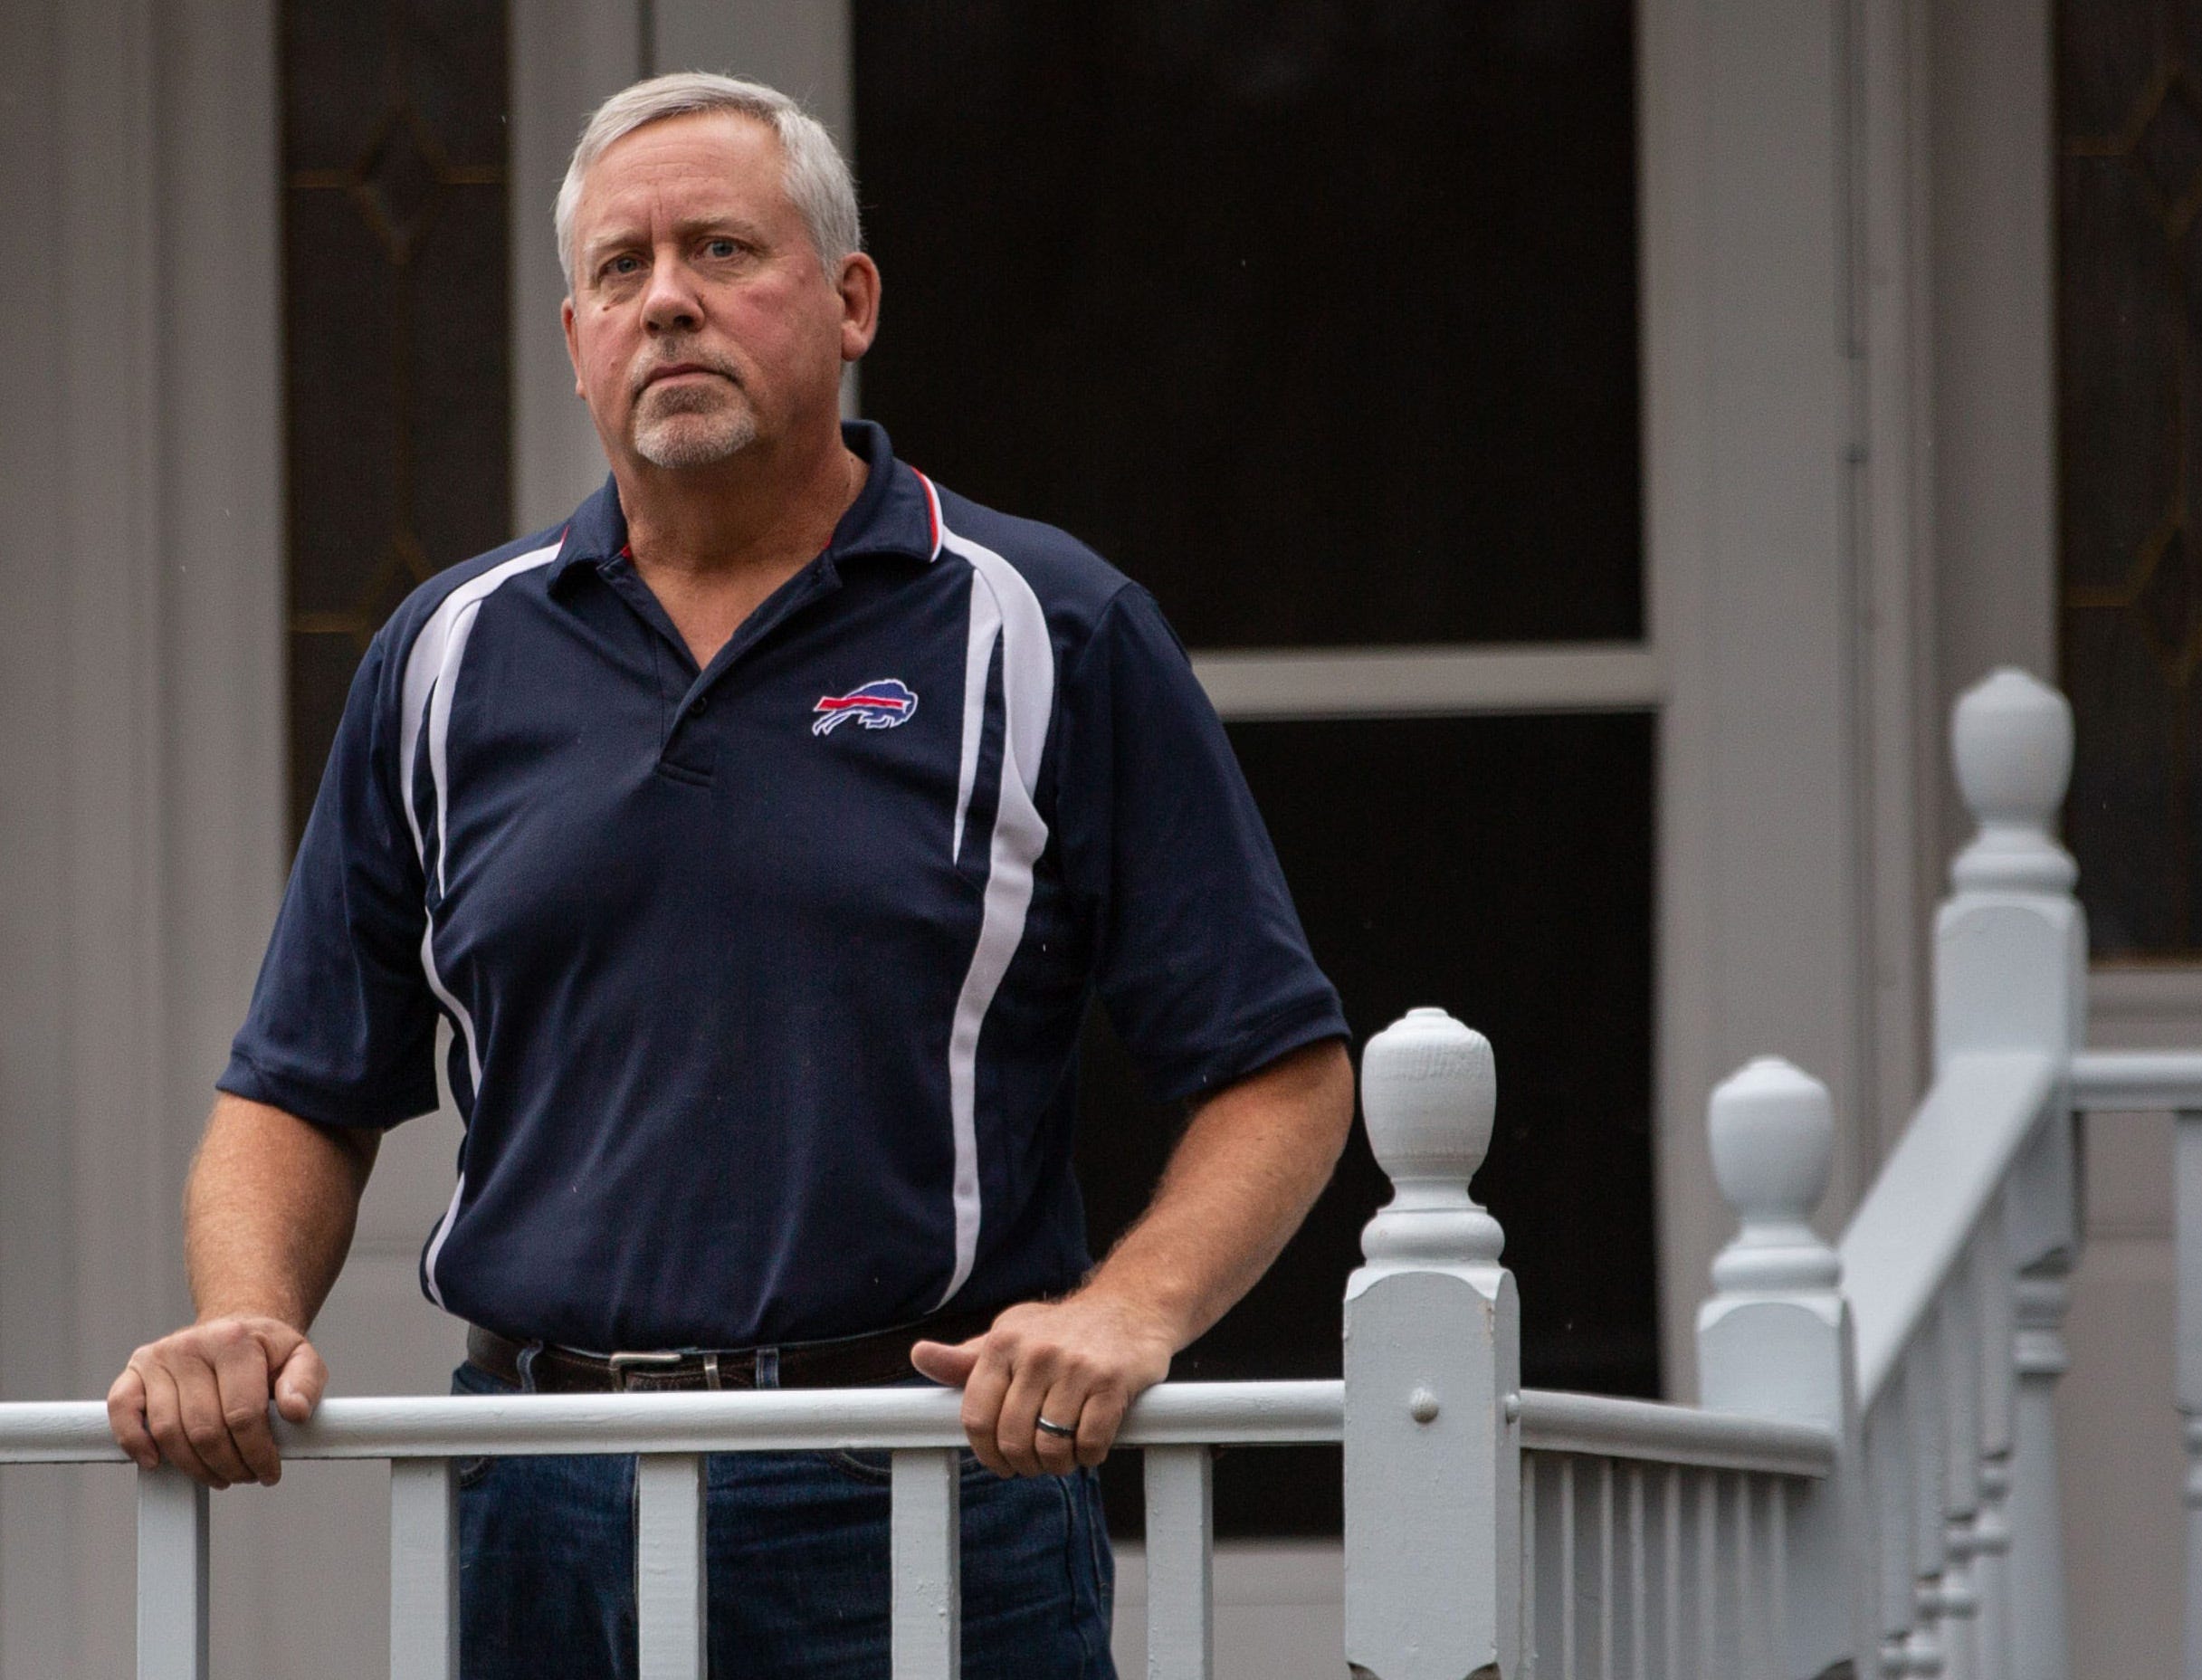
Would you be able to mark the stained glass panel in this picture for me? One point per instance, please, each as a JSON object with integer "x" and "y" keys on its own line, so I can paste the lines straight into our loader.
{"x": 396, "y": 369}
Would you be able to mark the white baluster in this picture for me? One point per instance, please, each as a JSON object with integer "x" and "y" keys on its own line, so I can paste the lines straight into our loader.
{"x": 1775, "y": 1340}
{"x": 1992, "y": 1568}
{"x": 1960, "y": 1347}
{"x": 2039, "y": 1647}
{"x": 1639, "y": 1611}
{"x": 1567, "y": 1576}
{"x": 670, "y": 1586}
{"x": 171, "y": 1576}
{"x": 1532, "y": 1537}
{"x": 2188, "y": 1241}
{"x": 1923, "y": 1389}
{"x": 1671, "y": 1568}
{"x": 1888, "y": 1450}
{"x": 1991, "y": 1544}
{"x": 926, "y": 1560}
{"x": 2010, "y": 973}
{"x": 424, "y": 1570}
{"x": 1712, "y": 1645}
{"x": 1181, "y": 1594}
{"x": 1433, "y": 1369}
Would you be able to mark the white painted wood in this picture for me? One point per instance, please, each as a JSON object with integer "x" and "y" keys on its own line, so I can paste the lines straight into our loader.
{"x": 1992, "y": 1568}
{"x": 1532, "y": 1537}
{"x": 1888, "y": 1445}
{"x": 172, "y": 1596}
{"x": 1606, "y": 1569}
{"x": 1602, "y": 1426}
{"x": 2186, "y": 1244}
{"x": 1750, "y": 1608}
{"x": 2039, "y": 1647}
{"x": 1671, "y": 1566}
{"x": 671, "y": 1581}
{"x": 1777, "y": 1597}
{"x": 1927, "y": 1413}
{"x": 1900, "y": 708}
{"x": 1178, "y": 1414}
{"x": 1991, "y": 1538}
{"x": 928, "y": 1565}
{"x": 1776, "y": 1340}
{"x": 1639, "y": 1608}
{"x": 2137, "y": 1079}
{"x": 1180, "y": 1537}
{"x": 140, "y": 663}
{"x": 1750, "y": 419}
{"x": 1984, "y": 1110}
{"x": 1567, "y": 1579}
{"x": 2011, "y": 972}
{"x": 1961, "y": 1351}
{"x": 1992, "y": 344}
{"x": 1432, "y": 1495}
{"x": 1711, "y": 1641}
{"x": 2125, "y": 1590}
{"x": 424, "y": 1570}
{"x": 1389, "y": 681}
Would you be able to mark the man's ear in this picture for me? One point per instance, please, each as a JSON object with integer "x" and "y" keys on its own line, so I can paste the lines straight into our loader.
{"x": 859, "y": 286}
{"x": 573, "y": 345}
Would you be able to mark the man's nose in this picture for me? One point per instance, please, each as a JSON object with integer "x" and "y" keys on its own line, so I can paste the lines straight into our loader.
{"x": 671, "y": 304}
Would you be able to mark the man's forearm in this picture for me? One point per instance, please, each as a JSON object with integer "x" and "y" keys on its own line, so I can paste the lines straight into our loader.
{"x": 1252, "y": 1162}
{"x": 269, "y": 1211}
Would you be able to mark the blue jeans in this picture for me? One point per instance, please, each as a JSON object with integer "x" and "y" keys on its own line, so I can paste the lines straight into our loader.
{"x": 798, "y": 1558}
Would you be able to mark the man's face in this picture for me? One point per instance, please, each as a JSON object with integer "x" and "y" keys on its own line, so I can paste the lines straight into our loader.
{"x": 702, "y": 322}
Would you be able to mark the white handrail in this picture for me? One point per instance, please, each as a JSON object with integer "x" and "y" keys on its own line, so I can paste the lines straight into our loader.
{"x": 1602, "y": 1426}
{"x": 2137, "y": 1079}
{"x": 1910, "y": 1233}
{"x": 1175, "y": 1414}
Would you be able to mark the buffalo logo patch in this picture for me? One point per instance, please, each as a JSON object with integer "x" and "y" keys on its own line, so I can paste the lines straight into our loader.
{"x": 885, "y": 704}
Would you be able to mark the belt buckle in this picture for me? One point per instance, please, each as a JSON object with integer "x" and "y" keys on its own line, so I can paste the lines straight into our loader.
{"x": 624, "y": 1366}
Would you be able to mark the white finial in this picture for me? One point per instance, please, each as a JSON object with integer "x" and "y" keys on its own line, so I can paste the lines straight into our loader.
{"x": 2012, "y": 740}
{"x": 1773, "y": 1144}
{"x": 1428, "y": 1094}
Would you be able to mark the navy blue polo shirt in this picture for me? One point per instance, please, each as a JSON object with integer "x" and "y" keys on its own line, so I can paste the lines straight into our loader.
{"x": 766, "y": 980}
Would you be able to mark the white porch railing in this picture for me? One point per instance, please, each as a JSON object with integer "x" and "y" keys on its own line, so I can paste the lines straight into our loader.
{"x": 1870, "y": 1486}
{"x": 1662, "y": 1549}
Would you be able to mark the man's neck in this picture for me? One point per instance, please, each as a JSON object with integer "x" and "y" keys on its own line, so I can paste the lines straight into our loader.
{"x": 757, "y": 513}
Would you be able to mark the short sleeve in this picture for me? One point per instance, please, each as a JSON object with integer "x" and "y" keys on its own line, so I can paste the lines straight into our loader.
{"x": 1200, "y": 958}
{"x": 342, "y": 1026}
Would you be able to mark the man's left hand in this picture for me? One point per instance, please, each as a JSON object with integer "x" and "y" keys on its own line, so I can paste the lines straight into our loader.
{"x": 1080, "y": 1362}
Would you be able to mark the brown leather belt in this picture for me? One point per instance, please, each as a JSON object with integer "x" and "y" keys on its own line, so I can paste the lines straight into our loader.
{"x": 845, "y": 1363}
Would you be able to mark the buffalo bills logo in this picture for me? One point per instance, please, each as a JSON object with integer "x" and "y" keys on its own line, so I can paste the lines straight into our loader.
{"x": 881, "y": 705}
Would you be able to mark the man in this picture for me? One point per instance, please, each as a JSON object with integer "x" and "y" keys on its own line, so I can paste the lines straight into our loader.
{"x": 762, "y": 833}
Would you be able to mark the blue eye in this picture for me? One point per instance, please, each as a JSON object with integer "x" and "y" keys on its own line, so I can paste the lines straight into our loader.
{"x": 721, "y": 247}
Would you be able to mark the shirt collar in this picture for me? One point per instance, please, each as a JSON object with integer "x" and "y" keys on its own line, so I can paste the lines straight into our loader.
{"x": 896, "y": 512}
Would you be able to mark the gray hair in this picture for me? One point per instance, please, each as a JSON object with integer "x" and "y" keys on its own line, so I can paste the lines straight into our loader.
{"x": 818, "y": 179}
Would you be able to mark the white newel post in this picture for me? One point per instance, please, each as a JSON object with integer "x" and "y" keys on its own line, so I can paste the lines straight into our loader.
{"x": 1775, "y": 1340}
{"x": 2011, "y": 973}
{"x": 1433, "y": 1377}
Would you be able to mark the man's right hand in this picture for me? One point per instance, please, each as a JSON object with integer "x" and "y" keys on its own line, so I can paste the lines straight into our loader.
{"x": 199, "y": 1399}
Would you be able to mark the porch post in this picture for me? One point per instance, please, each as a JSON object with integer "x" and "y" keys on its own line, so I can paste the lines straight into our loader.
{"x": 2011, "y": 973}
